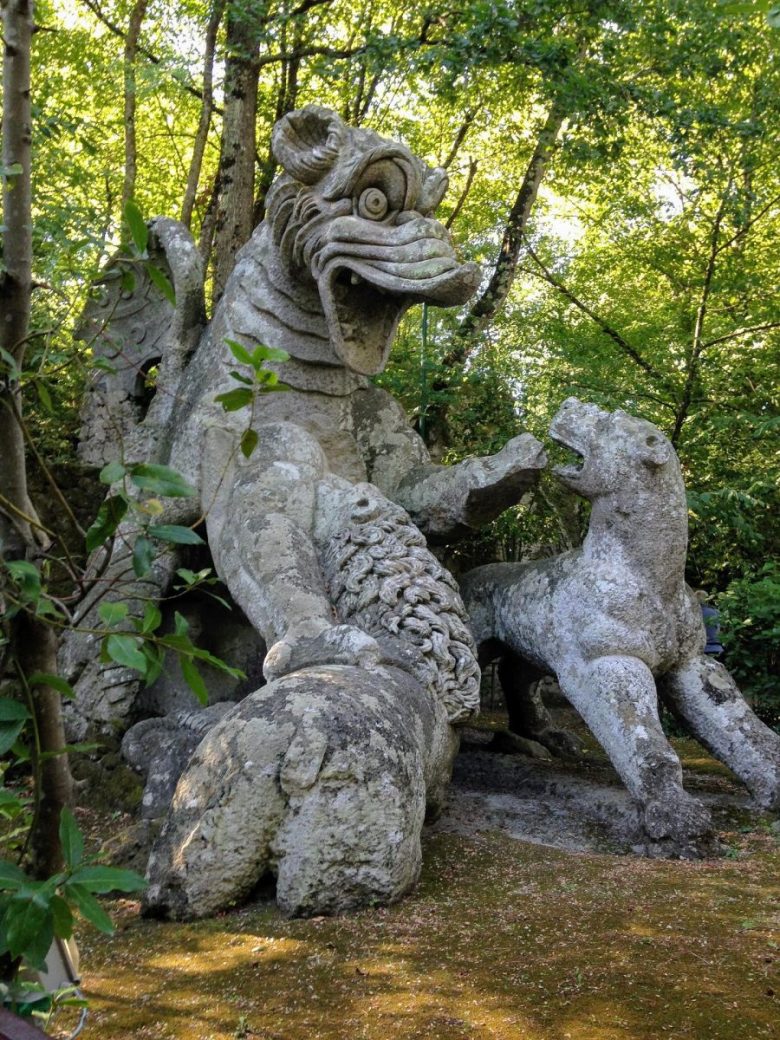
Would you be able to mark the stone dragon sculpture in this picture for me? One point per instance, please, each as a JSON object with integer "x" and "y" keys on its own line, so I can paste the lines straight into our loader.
{"x": 616, "y": 623}
{"x": 322, "y": 776}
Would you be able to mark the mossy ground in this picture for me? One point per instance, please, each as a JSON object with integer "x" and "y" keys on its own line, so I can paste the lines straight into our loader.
{"x": 501, "y": 940}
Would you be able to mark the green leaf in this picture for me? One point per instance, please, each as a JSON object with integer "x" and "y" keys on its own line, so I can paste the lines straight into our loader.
{"x": 71, "y": 839}
{"x": 162, "y": 282}
{"x": 136, "y": 224}
{"x": 125, "y": 650}
{"x": 11, "y": 877}
{"x": 241, "y": 379}
{"x": 104, "y": 364}
{"x": 112, "y": 614}
{"x": 112, "y": 472}
{"x": 235, "y": 399}
{"x": 106, "y": 522}
{"x": 239, "y": 352}
{"x": 39, "y": 945}
{"x": 143, "y": 556}
{"x": 155, "y": 661}
{"x": 26, "y": 576}
{"x": 62, "y": 918}
{"x": 107, "y": 879}
{"x": 249, "y": 442}
{"x": 9, "y": 733}
{"x": 160, "y": 480}
{"x": 773, "y": 16}
{"x": 217, "y": 662}
{"x": 44, "y": 396}
{"x": 262, "y": 353}
{"x": 194, "y": 679}
{"x": 14, "y": 372}
{"x": 54, "y": 682}
{"x": 180, "y": 624}
{"x": 10, "y": 804}
{"x": 12, "y": 710}
{"x": 24, "y": 919}
{"x": 152, "y": 618}
{"x": 176, "y": 534}
{"x": 88, "y": 907}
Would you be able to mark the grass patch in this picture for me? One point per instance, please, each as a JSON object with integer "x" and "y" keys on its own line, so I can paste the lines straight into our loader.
{"x": 500, "y": 940}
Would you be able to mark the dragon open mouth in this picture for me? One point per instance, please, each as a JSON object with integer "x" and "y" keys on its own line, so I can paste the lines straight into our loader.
{"x": 367, "y": 286}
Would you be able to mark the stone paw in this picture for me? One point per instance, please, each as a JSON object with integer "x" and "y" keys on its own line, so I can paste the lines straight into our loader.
{"x": 318, "y": 778}
{"x": 507, "y": 743}
{"x": 560, "y": 742}
{"x": 678, "y": 825}
{"x": 305, "y": 647}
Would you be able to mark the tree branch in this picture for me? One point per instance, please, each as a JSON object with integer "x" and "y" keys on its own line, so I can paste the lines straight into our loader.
{"x": 608, "y": 330}
{"x": 740, "y": 332}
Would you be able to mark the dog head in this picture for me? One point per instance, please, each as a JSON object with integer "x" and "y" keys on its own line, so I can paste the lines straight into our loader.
{"x": 616, "y": 449}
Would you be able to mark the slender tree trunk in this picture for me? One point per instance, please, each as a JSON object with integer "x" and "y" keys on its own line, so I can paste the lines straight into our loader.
{"x": 131, "y": 52}
{"x": 37, "y": 652}
{"x": 237, "y": 154}
{"x": 33, "y": 644}
{"x": 16, "y": 284}
{"x": 286, "y": 100}
{"x": 206, "y": 110}
{"x": 494, "y": 296}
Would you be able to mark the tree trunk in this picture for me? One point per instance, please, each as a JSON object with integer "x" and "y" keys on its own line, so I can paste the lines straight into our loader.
{"x": 16, "y": 284}
{"x": 131, "y": 51}
{"x": 494, "y": 297}
{"x": 237, "y": 154}
{"x": 37, "y": 652}
{"x": 206, "y": 110}
{"x": 33, "y": 643}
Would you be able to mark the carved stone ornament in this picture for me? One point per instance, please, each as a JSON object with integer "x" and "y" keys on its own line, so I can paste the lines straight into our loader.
{"x": 322, "y": 776}
{"x": 616, "y": 623}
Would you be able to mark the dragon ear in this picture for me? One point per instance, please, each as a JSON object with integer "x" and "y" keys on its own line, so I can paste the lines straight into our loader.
{"x": 433, "y": 190}
{"x": 307, "y": 142}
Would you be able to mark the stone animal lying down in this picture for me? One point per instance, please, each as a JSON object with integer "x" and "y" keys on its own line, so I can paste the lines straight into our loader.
{"x": 616, "y": 623}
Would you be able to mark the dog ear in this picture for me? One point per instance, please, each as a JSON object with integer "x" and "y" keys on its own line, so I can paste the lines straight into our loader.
{"x": 655, "y": 450}
{"x": 307, "y": 142}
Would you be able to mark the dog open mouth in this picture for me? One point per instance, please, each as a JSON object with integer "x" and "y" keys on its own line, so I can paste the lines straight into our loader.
{"x": 576, "y": 460}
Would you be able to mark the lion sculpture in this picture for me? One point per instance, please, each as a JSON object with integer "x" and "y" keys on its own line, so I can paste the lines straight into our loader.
{"x": 322, "y": 777}
{"x": 617, "y": 625}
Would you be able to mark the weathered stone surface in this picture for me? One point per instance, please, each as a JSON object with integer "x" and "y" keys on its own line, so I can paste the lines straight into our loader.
{"x": 320, "y": 778}
{"x": 342, "y": 254}
{"x": 311, "y": 537}
{"x": 610, "y": 618}
{"x": 160, "y": 748}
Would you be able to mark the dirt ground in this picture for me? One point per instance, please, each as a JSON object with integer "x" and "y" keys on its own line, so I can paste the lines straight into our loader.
{"x": 503, "y": 939}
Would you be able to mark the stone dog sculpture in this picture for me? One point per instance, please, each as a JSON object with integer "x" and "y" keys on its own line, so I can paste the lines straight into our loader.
{"x": 614, "y": 618}
{"x": 321, "y": 777}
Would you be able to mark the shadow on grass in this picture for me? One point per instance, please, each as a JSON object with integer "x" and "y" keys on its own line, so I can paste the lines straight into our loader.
{"x": 501, "y": 940}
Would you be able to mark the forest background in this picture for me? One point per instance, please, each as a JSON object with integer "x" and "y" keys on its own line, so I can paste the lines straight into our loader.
{"x": 614, "y": 167}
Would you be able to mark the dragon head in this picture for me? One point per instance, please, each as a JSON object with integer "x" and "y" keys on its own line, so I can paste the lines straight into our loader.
{"x": 352, "y": 213}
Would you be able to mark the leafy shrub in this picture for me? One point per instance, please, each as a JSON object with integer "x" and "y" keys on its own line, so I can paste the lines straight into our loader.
{"x": 750, "y": 632}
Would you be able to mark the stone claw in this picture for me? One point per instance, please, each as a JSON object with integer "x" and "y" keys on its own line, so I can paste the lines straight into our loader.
{"x": 306, "y": 648}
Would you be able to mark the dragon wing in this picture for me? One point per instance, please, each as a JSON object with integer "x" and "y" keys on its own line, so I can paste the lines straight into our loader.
{"x": 141, "y": 340}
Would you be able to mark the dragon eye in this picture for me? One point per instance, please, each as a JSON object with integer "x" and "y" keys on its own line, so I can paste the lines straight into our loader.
{"x": 372, "y": 204}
